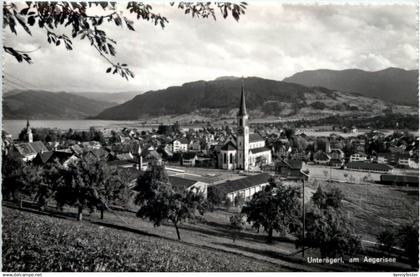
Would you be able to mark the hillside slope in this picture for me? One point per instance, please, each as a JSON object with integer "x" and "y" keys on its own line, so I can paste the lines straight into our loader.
{"x": 66, "y": 245}
{"x": 396, "y": 85}
{"x": 48, "y": 105}
{"x": 219, "y": 98}
{"x": 114, "y": 97}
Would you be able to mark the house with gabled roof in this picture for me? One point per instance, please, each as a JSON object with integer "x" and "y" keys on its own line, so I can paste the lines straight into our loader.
{"x": 181, "y": 185}
{"x": 180, "y": 145}
{"x": 27, "y": 151}
{"x": 62, "y": 157}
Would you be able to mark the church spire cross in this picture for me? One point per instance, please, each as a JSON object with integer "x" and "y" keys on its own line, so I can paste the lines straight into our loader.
{"x": 242, "y": 105}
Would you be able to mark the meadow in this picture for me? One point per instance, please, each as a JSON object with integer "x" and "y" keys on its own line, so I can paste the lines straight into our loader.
{"x": 375, "y": 208}
{"x": 34, "y": 242}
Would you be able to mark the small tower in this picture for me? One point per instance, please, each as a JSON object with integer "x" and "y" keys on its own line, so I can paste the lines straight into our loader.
{"x": 243, "y": 134}
{"x": 29, "y": 132}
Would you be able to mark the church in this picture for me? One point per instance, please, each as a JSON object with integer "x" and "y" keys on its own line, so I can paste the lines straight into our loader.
{"x": 243, "y": 151}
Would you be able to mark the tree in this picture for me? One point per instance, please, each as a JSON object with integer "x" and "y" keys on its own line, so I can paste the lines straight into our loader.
{"x": 228, "y": 203}
{"x": 51, "y": 177}
{"x": 276, "y": 208}
{"x": 114, "y": 190}
{"x": 81, "y": 184}
{"x": 11, "y": 169}
{"x": 215, "y": 196}
{"x": 237, "y": 224}
{"x": 327, "y": 228}
{"x": 408, "y": 236}
{"x": 75, "y": 17}
{"x": 239, "y": 200}
{"x": 289, "y": 132}
{"x": 158, "y": 201}
{"x": 331, "y": 198}
{"x": 20, "y": 180}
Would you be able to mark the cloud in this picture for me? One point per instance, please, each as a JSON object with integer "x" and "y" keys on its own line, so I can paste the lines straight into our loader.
{"x": 271, "y": 41}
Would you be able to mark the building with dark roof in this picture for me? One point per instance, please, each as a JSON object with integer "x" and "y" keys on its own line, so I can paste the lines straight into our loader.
{"x": 28, "y": 151}
{"x": 291, "y": 169}
{"x": 371, "y": 167}
{"x": 400, "y": 180}
{"x": 320, "y": 157}
{"x": 181, "y": 185}
{"x": 148, "y": 157}
{"x": 246, "y": 187}
{"x": 62, "y": 157}
{"x": 189, "y": 159}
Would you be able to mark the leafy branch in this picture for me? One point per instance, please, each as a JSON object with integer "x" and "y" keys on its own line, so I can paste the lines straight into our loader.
{"x": 49, "y": 16}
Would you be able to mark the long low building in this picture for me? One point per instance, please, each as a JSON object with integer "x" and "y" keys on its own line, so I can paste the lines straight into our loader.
{"x": 400, "y": 180}
{"x": 246, "y": 187}
{"x": 371, "y": 167}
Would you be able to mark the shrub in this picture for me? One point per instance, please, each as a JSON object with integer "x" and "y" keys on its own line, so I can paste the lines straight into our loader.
{"x": 387, "y": 240}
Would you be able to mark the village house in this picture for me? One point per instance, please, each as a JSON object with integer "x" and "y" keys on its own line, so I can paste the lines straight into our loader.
{"x": 148, "y": 157}
{"x": 320, "y": 157}
{"x": 194, "y": 145}
{"x": 180, "y": 185}
{"x": 91, "y": 145}
{"x": 358, "y": 157}
{"x": 337, "y": 157}
{"x": 180, "y": 145}
{"x": 27, "y": 151}
{"x": 291, "y": 169}
{"x": 189, "y": 159}
{"x": 63, "y": 157}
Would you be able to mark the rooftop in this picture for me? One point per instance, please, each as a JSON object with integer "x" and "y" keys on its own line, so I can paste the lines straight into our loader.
{"x": 228, "y": 146}
{"x": 30, "y": 148}
{"x": 243, "y": 183}
{"x": 180, "y": 184}
{"x": 368, "y": 166}
{"x": 254, "y": 137}
{"x": 259, "y": 150}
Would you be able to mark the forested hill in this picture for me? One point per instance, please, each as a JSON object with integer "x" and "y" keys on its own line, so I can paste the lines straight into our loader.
{"x": 222, "y": 94}
{"x": 396, "y": 85}
{"x": 35, "y": 104}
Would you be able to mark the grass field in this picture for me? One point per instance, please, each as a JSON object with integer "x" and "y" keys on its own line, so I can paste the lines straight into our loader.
{"x": 54, "y": 241}
{"x": 375, "y": 207}
{"x": 33, "y": 242}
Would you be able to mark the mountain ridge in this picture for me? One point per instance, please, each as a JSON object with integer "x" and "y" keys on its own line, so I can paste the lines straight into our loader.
{"x": 39, "y": 104}
{"x": 220, "y": 97}
{"x": 396, "y": 85}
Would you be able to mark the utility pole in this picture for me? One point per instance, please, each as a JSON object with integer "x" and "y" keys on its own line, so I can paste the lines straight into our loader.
{"x": 303, "y": 218}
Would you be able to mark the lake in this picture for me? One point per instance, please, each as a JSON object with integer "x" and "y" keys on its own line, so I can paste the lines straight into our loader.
{"x": 15, "y": 126}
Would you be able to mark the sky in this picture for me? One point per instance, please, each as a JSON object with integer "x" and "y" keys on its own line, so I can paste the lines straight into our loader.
{"x": 271, "y": 41}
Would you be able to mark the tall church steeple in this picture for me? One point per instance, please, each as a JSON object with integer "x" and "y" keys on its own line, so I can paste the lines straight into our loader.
{"x": 29, "y": 131}
{"x": 243, "y": 133}
{"x": 242, "y": 104}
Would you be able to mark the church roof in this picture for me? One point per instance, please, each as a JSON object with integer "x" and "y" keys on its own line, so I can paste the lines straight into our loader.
{"x": 228, "y": 146}
{"x": 255, "y": 137}
{"x": 259, "y": 150}
{"x": 242, "y": 104}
